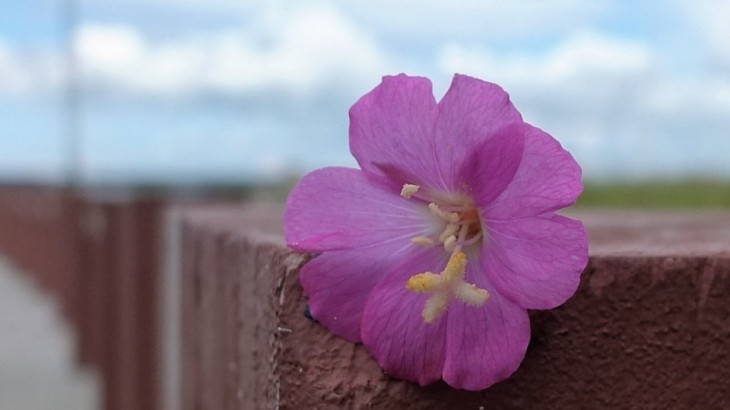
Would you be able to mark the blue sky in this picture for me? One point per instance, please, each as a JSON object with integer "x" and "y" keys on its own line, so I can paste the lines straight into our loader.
{"x": 235, "y": 89}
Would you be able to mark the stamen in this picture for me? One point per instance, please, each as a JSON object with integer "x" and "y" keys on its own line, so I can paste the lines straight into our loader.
{"x": 435, "y": 210}
{"x": 452, "y": 217}
{"x": 457, "y": 208}
{"x": 450, "y": 244}
{"x": 409, "y": 190}
{"x": 422, "y": 240}
{"x": 463, "y": 231}
{"x": 472, "y": 240}
{"x": 451, "y": 229}
{"x": 462, "y": 226}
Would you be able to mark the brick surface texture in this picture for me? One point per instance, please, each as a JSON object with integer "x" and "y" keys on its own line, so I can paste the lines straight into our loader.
{"x": 648, "y": 327}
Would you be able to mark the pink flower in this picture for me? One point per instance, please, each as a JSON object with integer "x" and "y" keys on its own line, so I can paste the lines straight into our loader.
{"x": 433, "y": 251}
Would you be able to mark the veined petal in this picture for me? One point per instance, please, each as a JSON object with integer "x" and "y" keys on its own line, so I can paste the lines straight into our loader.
{"x": 398, "y": 131}
{"x": 472, "y": 112}
{"x": 338, "y": 283}
{"x": 340, "y": 208}
{"x": 548, "y": 179}
{"x": 393, "y": 329}
{"x": 492, "y": 166}
{"x": 536, "y": 262}
{"x": 391, "y": 129}
{"x": 486, "y": 344}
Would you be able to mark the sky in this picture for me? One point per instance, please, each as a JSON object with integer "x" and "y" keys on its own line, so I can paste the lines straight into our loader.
{"x": 238, "y": 90}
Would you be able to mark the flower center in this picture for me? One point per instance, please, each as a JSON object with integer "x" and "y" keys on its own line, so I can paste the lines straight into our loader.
{"x": 461, "y": 227}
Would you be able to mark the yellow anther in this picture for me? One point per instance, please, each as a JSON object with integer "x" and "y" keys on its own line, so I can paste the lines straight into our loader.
{"x": 409, "y": 190}
{"x": 435, "y": 209}
{"x": 450, "y": 244}
{"x": 422, "y": 240}
{"x": 452, "y": 217}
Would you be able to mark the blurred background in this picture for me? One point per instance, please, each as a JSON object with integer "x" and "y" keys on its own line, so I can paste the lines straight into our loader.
{"x": 233, "y": 91}
{"x": 234, "y": 97}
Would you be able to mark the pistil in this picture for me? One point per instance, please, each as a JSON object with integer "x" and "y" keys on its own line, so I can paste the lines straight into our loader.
{"x": 446, "y": 286}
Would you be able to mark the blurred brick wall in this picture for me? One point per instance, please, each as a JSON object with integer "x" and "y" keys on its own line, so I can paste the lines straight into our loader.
{"x": 647, "y": 329}
{"x": 38, "y": 230}
{"x": 100, "y": 256}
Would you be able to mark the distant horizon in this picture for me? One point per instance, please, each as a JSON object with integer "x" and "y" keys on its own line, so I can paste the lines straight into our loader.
{"x": 174, "y": 179}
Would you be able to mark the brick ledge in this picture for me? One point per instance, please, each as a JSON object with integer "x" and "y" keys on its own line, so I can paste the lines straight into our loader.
{"x": 648, "y": 327}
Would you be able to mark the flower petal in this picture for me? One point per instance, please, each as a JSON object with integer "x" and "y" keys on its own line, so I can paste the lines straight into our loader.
{"x": 486, "y": 344}
{"x": 548, "y": 179}
{"x": 471, "y": 112}
{"x": 536, "y": 262}
{"x": 491, "y": 167}
{"x": 391, "y": 128}
{"x": 340, "y": 208}
{"x": 393, "y": 329}
{"x": 338, "y": 283}
{"x": 398, "y": 131}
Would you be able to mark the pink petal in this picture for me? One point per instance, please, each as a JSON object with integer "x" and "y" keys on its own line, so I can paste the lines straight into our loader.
{"x": 393, "y": 329}
{"x": 492, "y": 166}
{"x": 548, "y": 179}
{"x": 486, "y": 344}
{"x": 472, "y": 112}
{"x": 398, "y": 131}
{"x": 340, "y": 208}
{"x": 391, "y": 128}
{"x": 536, "y": 262}
{"x": 338, "y": 283}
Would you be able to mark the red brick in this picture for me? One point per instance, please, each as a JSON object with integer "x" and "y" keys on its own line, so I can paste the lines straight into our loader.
{"x": 648, "y": 327}
{"x": 100, "y": 257}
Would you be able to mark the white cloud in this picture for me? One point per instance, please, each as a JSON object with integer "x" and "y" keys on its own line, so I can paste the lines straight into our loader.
{"x": 29, "y": 74}
{"x": 482, "y": 20}
{"x": 427, "y": 19}
{"x": 711, "y": 19}
{"x": 613, "y": 103}
{"x": 589, "y": 75}
{"x": 118, "y": 57}
{"x": 584, "y": 56}
{"x": 196, "y": 6}
{"x": 307, "y": 50}
{"x": 14, "y": 77}
{"x": 616, "y": 99}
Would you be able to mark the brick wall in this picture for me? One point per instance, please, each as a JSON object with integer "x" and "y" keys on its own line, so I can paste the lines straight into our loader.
{"x": 184, "y": 306}
{"x": 648, "y": 327}
{"x": 99, "y": 255}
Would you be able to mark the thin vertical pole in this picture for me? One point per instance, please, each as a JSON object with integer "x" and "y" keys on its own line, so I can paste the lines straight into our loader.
{"x": 72, "y": 100}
